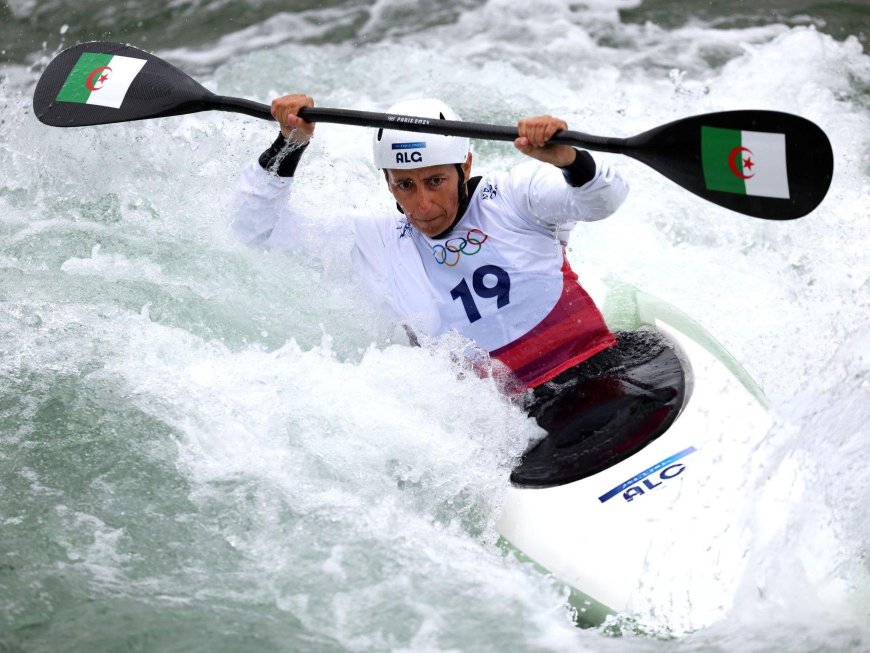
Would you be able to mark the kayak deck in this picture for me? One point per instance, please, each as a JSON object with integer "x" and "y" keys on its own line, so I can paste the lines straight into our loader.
{"x": 606, "y": 409}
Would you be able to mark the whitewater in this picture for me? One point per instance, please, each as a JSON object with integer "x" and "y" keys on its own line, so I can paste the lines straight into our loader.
{"x": 206, "y": 446}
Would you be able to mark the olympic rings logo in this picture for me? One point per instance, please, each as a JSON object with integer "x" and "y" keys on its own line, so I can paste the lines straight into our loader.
{"x": 450, "y": 252}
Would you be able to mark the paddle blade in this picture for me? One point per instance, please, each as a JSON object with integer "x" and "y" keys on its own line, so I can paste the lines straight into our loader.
{"x": 766, "y": 164}
{"x": 101, "y": 82}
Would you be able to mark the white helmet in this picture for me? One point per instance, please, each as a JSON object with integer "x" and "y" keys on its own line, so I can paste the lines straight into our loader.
{"x": 403, "y": 150}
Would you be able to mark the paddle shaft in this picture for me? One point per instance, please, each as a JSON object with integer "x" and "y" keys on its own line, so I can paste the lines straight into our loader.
{"x": 412, "y": 124}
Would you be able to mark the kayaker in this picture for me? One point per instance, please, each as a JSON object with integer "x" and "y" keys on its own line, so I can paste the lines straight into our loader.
{"x": 484, "y": 256}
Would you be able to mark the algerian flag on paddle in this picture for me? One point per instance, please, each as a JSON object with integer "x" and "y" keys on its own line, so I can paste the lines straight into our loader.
{"x": 744, "y": 162}
{"x": 102, "y": 79}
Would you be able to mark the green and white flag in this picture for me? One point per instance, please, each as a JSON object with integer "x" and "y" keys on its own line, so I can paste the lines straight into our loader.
{"x": 744, "y": 162}
{"x": 101, "y": 79}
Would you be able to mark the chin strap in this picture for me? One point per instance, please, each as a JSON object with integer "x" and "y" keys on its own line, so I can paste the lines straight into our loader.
{"x": 463, "y": 191}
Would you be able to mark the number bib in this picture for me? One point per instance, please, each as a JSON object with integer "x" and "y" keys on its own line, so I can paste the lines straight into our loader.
{"x": 507, "y": 285}
{"x": 490, "y": 283}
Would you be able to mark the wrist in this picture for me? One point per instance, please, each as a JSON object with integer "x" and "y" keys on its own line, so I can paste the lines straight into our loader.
{"x": 566, "y": 158}
{"x": 283, "y": 156}
{"x": 297, "y": 136}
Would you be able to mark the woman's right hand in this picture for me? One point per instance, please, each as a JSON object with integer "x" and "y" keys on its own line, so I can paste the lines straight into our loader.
{"x": 285, "y": 110}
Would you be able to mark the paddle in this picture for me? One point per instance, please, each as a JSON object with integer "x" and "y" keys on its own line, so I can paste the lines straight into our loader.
{"x": 766, "y": 164}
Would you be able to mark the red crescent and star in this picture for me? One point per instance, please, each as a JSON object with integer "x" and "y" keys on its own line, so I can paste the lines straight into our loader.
{"x": 91, "y": 83}
{"x": 745, "y": 163}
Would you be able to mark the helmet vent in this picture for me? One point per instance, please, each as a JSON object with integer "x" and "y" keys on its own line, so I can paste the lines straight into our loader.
{"x": 380, "y": 133}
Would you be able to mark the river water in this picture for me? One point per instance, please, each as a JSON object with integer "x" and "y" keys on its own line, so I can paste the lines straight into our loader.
{"x": 206, "y": 447}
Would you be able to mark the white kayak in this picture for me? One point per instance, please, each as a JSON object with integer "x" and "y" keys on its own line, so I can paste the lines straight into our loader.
{"x": 657, "y": 533}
